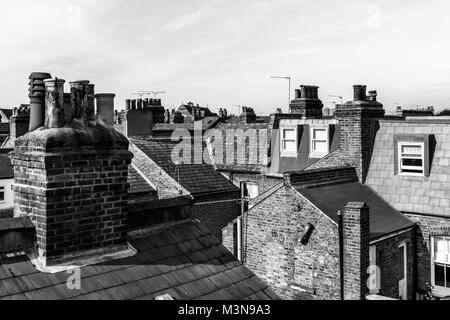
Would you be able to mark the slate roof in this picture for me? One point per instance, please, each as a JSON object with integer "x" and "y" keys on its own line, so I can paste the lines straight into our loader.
{"x": 207, "y": 123}
{"x": 330, "y": 199}
{"x": 7, "y": 112}
{"x": 185, "y": 261}
{"x": 137, "y": 183}
{"x": 6, "y": 168}
{"x": 197, "y": 179}
{"x": 426, "y": 195}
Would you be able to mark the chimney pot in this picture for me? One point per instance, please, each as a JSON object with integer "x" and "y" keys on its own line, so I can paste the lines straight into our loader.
{"x": 54, "y": 103}
{"x": 68, "y": 109}
{"x": 105, "y": 109}
{"x": 79, "y": 92}
{"x": 139, "y": 104}
{"x": 298, "y": 93}
{"x": 133, "y": 104}
{"x": 37, "y": 99}
{"x": 127, "y": 104}
{"x": 359, "y": 93}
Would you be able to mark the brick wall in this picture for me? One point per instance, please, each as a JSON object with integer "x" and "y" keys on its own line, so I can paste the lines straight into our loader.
{"x": 82, "y": 201}
{"x": 427, "y": 227}
{"x": 272, "y": 249}
{"x": 387, "y": 259}
{"x": 356, "y": 250}
{"x": 75, "y": 195}
{"x": 217, "y": 211}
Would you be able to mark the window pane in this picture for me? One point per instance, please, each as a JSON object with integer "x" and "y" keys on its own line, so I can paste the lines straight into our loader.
{"x": 412, "y": 162}
{"x": 401, "y": 264}
{"x": 439, "y": 275}
{"x": 289, "y": 134}
{"x": 441, "y": 249}
{"x": 319, "y": 134}
{"x": 319, "y": 146}
{"x": 447, "y": 268}
{"x": 252, "y": 190}
{"x": 2, "y": 195}
{"x": 289, "y": 145}
{"x": 413, "y": 150}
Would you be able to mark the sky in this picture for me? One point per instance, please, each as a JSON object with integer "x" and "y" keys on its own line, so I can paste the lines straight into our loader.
{"x": 222, "y": 53}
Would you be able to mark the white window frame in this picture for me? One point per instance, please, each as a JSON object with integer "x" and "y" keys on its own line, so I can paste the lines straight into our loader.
{"x": 401, "y": 167}
{"x": 316, "y": 154}
{"x": 433, "y": 262}
{"x": 4, "y": 193}
{"x": 284, "y": 152}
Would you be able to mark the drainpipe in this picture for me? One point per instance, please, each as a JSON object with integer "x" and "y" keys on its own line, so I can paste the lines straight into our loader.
{"x": 341, "y": 252}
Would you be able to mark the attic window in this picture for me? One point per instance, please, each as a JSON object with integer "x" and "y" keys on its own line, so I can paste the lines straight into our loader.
{"x": 289, "y": 141}
{"x": 411, "y": 157}
{"x": 319, "y": 141}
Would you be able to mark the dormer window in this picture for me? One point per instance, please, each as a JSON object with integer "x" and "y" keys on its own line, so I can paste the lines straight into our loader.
{"x": 319, "y": 141}
{"x": 289, "y": 142}
{"x": 411, "y": 158}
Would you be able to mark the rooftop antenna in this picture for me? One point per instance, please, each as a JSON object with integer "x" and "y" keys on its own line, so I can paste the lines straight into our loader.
{"x": 142, "y": 93}
{"x": 285, "y": 78}
{"x": 339, "y": 97}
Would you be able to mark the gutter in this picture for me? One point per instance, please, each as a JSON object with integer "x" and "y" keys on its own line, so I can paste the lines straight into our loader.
{"x": 392, "y": 235}
{"x": 341, "y": 252}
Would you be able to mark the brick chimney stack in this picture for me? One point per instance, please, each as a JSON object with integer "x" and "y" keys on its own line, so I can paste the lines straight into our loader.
{"x": 355, "y": 222}
{"x": 358, "y": 124}
{"x": 307, "y": 102}
{"x": 248, "y": 115}
{"x": 71, "y": 180}
{"x": 19, "y": 123}
{"x": 37, "y": 99}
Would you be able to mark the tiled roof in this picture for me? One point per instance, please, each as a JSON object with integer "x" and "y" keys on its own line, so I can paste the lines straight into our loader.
{"x": 330, "y": 199}
{"x": 6, "y": 168}
{"x": 184, "y": 261}
{"x": 428, "y": 195}
{"x": 4, "y": 128}
{"x": 137, "y": 183}
{"x": 207, "y": 123}
{"x": 195, "y": 178}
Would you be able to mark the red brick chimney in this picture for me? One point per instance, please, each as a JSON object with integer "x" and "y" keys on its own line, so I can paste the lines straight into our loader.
{"x": 358, "y": 123}
{"x": 71, "y": 180}
{"x": 307, "y": 102}
{"x": 355, "y": 223}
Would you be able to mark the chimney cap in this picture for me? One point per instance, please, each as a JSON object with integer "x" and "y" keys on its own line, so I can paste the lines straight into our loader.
{"x": 54, "y": 80}
{"x": 80, "y": 82}
{"x": 39, "y": 75}
{"x": 106, "y": 95}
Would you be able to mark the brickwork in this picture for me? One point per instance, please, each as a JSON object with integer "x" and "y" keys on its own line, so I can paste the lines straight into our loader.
{"x": 387, "y": 259}
{"x": 356, "y": 250}
{"x": 272, "y": 249}
{"x": 428, "y": 227}
{"x": 72, "y": 183}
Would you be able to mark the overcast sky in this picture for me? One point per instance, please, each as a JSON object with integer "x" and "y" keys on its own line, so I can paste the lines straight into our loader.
{"x": 223, "y": 52}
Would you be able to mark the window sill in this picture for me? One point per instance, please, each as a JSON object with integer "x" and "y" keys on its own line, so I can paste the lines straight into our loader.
{"x": 287, "y": 154}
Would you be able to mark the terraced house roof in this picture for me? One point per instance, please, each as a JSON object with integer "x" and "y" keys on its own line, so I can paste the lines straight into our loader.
{"x": 197, "y": 179}
{"x": 184, "y": 261}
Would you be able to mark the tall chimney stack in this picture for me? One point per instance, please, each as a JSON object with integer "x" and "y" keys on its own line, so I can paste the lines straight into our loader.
{"x": 307, "y": 102}
{"x": 72, "y": 183}
{"x": 355, "y": 224}
{"x": 37, "y": 99}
